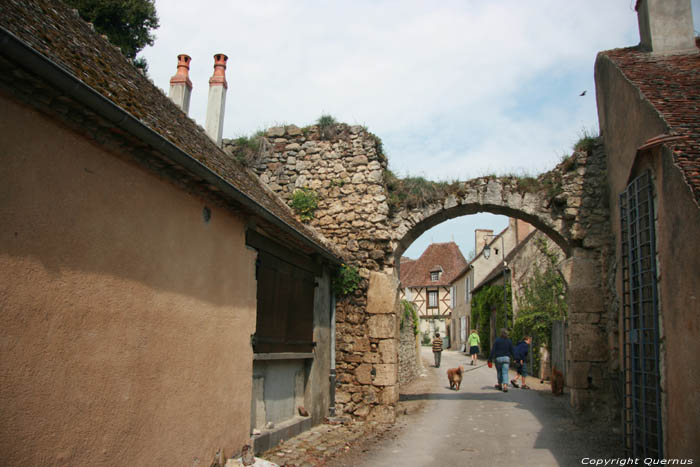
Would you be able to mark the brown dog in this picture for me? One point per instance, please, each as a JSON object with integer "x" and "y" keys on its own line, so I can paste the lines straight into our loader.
{"x": 557, "y": 382}
{"x": 454, "y": 376}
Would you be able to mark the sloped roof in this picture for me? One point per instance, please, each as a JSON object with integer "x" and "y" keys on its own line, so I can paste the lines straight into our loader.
{"x": 671, "y": 83}
{"x": 54, "y": 45}
{"x": 444, "y": 255}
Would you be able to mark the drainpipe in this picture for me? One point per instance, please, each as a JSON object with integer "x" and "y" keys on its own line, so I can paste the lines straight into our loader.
{"x": 331, "y": 409}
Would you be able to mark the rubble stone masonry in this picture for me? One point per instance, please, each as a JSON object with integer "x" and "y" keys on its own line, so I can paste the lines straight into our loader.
{"x": 344, "y": 165}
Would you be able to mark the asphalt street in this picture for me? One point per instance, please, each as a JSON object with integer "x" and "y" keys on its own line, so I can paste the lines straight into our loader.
{"x": 480, "y": 426}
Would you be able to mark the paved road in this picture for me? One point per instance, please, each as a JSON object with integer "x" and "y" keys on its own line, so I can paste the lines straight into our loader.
{"x": 480, "y": 426}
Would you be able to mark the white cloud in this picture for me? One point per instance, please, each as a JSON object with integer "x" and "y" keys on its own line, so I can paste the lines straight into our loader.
{"x": 454, "y": 88}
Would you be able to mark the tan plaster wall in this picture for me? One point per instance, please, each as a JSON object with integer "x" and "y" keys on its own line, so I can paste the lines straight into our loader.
{"x": 124, "y": 317}
{"x": 627, "y": 121}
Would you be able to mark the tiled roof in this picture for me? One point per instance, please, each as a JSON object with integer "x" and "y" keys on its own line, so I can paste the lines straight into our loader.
{"x": 58, "y": 34}
{"x": 445, "y": 255}
{"x": 671, "y": 83}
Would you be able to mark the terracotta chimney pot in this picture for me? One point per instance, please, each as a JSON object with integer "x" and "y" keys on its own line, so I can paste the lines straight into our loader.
{"x": 180, "y": 84}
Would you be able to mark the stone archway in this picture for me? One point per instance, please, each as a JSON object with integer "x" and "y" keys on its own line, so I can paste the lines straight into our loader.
{"x": 359, "y": 214}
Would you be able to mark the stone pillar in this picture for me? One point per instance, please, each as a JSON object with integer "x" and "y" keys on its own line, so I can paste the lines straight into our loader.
{"x": 383, "y": 326}
{"x": 180, "y": 84}
{"x": 216, "y": 103}
{"x": 586, "y": 349}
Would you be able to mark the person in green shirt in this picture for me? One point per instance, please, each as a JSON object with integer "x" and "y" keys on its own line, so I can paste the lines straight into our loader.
{"x": 474, "y": 343}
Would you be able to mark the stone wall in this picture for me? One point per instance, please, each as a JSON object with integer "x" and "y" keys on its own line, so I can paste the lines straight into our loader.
{"x": 345, "y": 167}
{"x": 409, "y": 359}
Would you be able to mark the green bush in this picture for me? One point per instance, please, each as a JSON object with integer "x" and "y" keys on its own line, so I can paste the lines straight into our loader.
{"x": 541, "y": 302}
{"x": 490, "y": 298}
{"x": 326, "y": 125}
{"x": 305, "y": 203}
{"x": 346, "y": 280}
{"x": 410, "y": 315}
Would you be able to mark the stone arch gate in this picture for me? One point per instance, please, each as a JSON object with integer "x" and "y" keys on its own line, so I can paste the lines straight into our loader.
{"x": 364, "y": 214}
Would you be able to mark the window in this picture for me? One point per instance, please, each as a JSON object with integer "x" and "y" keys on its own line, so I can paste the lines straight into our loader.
{"x": 285, "y": 298}
{"x": 432, "y": 299}
{"x": 435, "y": 276}
{"x": 453, "y": 297}
{"x": 468, "y": 288}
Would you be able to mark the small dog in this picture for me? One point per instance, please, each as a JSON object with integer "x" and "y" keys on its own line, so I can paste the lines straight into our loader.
{"x": 454, "y": 376}
{"x": 557, "y": 382}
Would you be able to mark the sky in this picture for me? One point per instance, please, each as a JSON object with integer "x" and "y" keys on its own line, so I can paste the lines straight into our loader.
{"x": 455, "y": 89}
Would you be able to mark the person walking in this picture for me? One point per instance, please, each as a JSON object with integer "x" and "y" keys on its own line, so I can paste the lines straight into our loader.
{"x": 437, "y": 349}
{"x": 501, "y": 353}
{"x": 519, "y": 356}
{"x": 474, "y": 343}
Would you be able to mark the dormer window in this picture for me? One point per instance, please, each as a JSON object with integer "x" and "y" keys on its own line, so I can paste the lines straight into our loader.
{"x": 435, "y": 276}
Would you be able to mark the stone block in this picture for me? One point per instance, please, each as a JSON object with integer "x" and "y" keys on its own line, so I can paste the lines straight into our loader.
{"x": 371, "y": 357}
{"x": 363, "y": 373}
{"x": 382, "y": 295}
{"x": 389, "y": 350}
{"x": 293, "y": 130}
{"x": 275, "y": 131}
{"x": 580, "y": 399}
{"x": 362, "y": 411}
{"x": 382, "y": 326}
{"x": 577, "y": 376}
{"x": 585, "y": 300}
{"x": 389, "y": 395}
{"x": 588, "y": 343}
{"x": 342, "y": 397}
{"x": 361, "y": 344}
{"x": 387, "y": 374}
{"x": 382, "y": 414}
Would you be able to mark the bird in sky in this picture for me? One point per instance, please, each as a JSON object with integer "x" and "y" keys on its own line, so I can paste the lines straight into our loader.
{"x": 583, "y": 93}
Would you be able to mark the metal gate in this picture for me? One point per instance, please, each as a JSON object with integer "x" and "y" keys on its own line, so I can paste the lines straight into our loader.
{"x": 642, "y": 404}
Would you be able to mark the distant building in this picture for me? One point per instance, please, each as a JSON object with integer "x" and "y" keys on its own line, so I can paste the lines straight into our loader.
{"x": 427, "y": 283}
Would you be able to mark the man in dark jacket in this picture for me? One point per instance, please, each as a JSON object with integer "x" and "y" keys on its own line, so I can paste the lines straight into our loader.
{"x": 519, "y": 356}
{"x": 501, "y": 353}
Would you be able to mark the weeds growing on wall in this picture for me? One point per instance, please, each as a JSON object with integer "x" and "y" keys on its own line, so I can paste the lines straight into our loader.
{"x": 541, "y": 302}
{"x": 326, "y": 125}
{"x": 247, "y": 149}
{"x": 305, "y": 202}
{"x": 587, "y": 140}
{"x": 487, "y": 300}
{"x": 409, "y": 316}
{"x": 416, "y": 192}
{"x": 346, "y": 280}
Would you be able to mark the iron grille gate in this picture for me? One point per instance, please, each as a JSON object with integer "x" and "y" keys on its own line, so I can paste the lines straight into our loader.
{"x": 642, "y": 407}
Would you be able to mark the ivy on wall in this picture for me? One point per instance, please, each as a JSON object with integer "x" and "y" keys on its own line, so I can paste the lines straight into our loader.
{"x": 542, "y": 301}
{"x": 490, "y": 299}
{"x": 409, "y": 316}
{"x": 346, "y": 280}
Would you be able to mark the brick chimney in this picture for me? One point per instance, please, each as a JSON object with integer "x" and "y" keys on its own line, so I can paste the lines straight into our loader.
{"x": 180, "y": 84}
{"x": 666, "y": 26}
{"x": 217, "y": 99}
